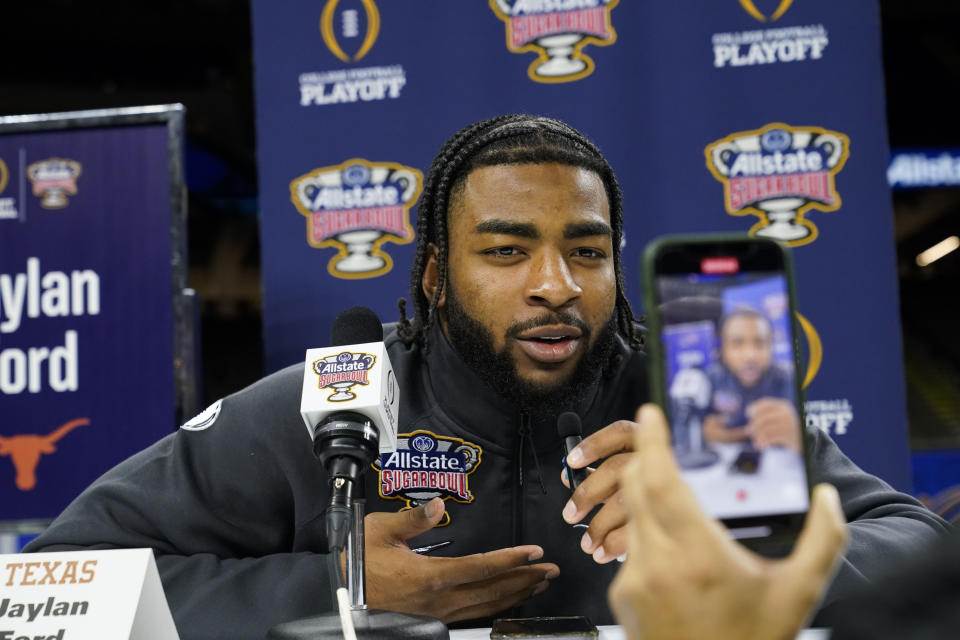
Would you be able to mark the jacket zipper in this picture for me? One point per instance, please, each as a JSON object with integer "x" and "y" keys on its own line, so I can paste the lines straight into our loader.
{"x": 525, "y": 436}
{"x": 522, "y": 435}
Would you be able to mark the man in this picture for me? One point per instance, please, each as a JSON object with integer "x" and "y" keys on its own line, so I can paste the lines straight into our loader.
{"x": 752, "y": 397}
{"x": 520, "y": 314}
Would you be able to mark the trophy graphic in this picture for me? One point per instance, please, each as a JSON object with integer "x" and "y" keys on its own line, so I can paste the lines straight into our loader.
{"x": 356, "y": 207}
{"x": 54, "y": 179}
{"x": 359, "y": 244}
{"x": 558, "y": 35}
{"x": 560, "y": 61}
{"x": 359, "y": 248}
{"x": 778, "y": 173}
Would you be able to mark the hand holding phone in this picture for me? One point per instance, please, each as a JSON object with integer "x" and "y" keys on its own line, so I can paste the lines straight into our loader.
{"x": 685, "y": 578}
{"x": 724, "y": 368}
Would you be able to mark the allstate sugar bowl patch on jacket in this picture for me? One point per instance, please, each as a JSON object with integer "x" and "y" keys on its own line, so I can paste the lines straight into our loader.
{"x": 427, "y": 466}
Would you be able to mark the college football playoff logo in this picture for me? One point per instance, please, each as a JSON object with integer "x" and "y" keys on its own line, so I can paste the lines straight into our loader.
{"x": 348, "y": 23}
{"x": 8, "y": 208}
{"x": 557, "y": 30}
{"x": 53, "y": 180}
{"x": 779, "y": 173}
{"x": 751, "y": 8}
{"x": 356, "y": 207}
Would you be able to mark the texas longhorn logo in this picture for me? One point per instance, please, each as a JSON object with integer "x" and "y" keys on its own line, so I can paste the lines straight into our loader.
{"x": 356, "y": 207}
{"x": 779, "y": 173}
{"x": 426, "y": 466}
{"x": 349, "y": 20}
{"x": 341, "y": 371}
{"x": 53, "y": 180}
{"x": 25, "y": 451}
{"x": 557, "y": 30}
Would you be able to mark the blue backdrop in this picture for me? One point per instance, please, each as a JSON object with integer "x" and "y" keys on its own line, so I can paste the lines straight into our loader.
{"x": 719, "y": 115}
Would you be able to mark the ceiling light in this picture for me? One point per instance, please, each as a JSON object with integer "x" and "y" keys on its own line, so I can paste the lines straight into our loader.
{"x": 938, "y": 250}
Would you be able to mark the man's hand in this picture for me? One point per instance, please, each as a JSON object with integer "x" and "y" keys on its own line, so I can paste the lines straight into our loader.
{"x": 605, "y": 539}
{"x": 774, "y": 422}
{"x": 446, "y": 588}
{"x": 685, "y": 577}
{"x": 715, "y": 429}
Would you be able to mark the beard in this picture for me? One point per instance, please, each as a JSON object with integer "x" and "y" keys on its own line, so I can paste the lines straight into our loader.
{"x": 475, "y": 345}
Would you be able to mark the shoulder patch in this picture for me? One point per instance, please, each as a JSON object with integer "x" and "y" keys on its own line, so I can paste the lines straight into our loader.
{"x": 427, "y": 466}
{"x": 204, "y": 419}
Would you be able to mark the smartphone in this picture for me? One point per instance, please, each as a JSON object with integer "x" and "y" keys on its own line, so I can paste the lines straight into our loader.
{"x": 559, "y": 627}
{"x": 721, "y": 314}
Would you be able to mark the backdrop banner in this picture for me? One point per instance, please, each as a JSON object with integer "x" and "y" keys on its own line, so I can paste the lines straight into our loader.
{"x": 759, "y": 116}
{"x": 86, "y": 298}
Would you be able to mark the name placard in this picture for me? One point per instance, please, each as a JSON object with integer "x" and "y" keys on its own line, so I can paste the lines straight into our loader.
{"x": 109, "y": 595}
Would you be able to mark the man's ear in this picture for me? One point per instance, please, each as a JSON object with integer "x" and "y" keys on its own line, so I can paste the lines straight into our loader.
{"x": 431, "y": 276}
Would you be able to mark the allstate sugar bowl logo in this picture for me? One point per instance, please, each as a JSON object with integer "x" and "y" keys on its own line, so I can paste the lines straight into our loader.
{"x": 557, "y": 30}
{"x": 426, "y": 466}
{"x": 356, "y": 207}
{"x": 779, "y": 173}
{"x": 340, "y": 372}
{"x": 53, "y": 180}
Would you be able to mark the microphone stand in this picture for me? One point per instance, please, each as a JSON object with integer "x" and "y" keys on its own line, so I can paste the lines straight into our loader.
{"x": 368, "y": 623}
{"x": 692, "y": 452}
{"x": 356, "y": 584}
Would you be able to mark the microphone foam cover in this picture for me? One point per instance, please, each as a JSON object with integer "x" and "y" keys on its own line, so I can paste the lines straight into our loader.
{"x": 568, "y": 424}
{"x": 356, "y": 325}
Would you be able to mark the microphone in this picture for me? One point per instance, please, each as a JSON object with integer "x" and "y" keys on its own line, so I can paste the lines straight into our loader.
{"x": 691, "y": 386}
{"x": 690, "y": 394}
{"x": 350, "y": 403}
{"x": 568, "y": 426}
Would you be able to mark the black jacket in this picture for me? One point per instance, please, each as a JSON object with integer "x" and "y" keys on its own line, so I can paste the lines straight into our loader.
{"x": 234, "y": 508}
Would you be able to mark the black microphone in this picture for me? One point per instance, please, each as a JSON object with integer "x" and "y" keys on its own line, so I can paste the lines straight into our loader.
{"x": 569, "y": 428}
{"x": 350, "y": 405}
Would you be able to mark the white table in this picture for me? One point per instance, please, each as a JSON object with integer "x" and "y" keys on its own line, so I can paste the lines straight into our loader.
{"x": 777, "y": 487}
{"x": 612, "y": 632}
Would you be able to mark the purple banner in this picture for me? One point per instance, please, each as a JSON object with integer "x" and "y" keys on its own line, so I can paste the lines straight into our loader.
{"x": 86, "y": 307}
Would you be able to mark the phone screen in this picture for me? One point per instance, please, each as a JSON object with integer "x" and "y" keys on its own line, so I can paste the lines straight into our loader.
{"x": 730, "y": 382}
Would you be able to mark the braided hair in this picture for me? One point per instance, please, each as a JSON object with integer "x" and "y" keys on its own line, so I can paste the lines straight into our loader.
{"x": 509, "y": 139}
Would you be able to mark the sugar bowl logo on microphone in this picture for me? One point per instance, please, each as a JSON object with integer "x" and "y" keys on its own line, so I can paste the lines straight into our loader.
{"x": 356, "y": 207}
{"x": 557, "y": 31}
{"x": 341, "y": 371}
{"x": 779, "y": 173}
